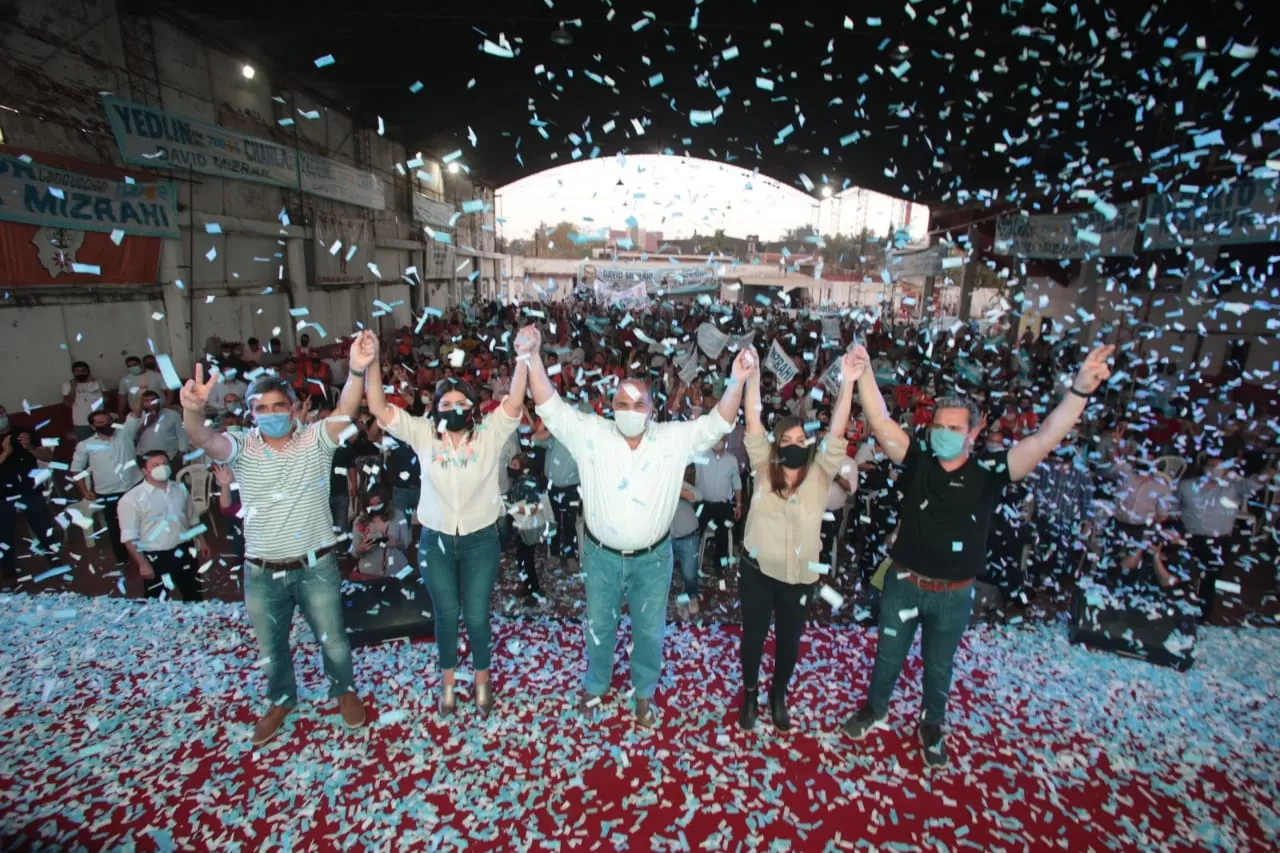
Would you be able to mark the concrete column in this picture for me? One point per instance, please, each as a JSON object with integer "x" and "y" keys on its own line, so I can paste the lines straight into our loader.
{"x": 969, "y": 278}
{"x": 295, "y": 272}
{"x": 930, "y": 282}
{"x": 177, "y": 307}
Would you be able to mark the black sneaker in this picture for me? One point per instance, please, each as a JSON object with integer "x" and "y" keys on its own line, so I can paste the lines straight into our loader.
{"x": 864, "y": 723}
{"x": 933, "y": 747}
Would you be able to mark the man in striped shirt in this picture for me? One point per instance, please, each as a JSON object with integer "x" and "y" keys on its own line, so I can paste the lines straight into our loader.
{"x": 283, "y": 474}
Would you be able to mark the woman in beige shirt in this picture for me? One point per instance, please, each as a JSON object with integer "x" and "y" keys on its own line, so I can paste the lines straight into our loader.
{"x": 783, "y": 541}
{"x": 458, "y": 508}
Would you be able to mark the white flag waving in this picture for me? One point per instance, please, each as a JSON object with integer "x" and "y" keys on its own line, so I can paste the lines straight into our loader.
{"x": 688, "y": 364}
{"x": 781, "y": 364}
{"x": 711, "y": 340}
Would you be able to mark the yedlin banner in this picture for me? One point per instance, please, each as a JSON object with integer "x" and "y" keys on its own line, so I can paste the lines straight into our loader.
{"x": 151, "y": 137}
{"x": 36, "y": 194}
{"x": 1069, "y": 235}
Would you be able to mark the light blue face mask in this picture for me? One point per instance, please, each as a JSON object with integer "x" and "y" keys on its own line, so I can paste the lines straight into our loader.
{"x": 276, "y": 424}
{"x": 946, "y": 444}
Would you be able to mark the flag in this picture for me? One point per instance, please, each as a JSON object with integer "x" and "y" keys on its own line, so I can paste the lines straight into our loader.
{"x": 711, "y": 340}
{"x": 781, "y": 364}
{"x": 832, "y": 377}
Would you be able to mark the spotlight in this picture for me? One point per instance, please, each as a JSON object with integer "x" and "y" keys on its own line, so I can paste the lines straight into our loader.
{"x": 561, "y": 36}
{"x": 826, "y": 192}
{"x": 248, "y": 71}
{"x": 453, "y": 168}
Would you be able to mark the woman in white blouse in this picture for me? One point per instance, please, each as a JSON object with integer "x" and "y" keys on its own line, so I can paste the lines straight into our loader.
{"x": 459, "y": 550}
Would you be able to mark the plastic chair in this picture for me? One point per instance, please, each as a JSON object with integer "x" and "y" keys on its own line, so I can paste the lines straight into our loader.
{"x": 198, "y": 480}
{"x": 1172, "y": 467}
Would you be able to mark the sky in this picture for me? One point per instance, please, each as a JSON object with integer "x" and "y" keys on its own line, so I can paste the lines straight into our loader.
{"x": 678, "y": 195}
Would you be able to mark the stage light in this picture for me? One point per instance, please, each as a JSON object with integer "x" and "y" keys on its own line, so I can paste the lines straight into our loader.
{"x": 248, "y": 71}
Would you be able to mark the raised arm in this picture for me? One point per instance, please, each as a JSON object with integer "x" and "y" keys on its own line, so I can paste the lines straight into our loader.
{"x": 195, "y": 396}
{"x": 374, "y": 395}
{"x": 850, "y": 369}
{"x": 753, "y": 406}
{"x": 529, "y": 349}
{"x": 1032, "y": 450}
{"x": 364, "y": 354}
{"x": 744, "y": 367}
{"x": 513, "y": 403}
{"x": 891, "y": 436}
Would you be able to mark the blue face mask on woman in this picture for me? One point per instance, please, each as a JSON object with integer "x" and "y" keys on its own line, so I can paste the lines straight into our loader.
{"x": 276, "y": 424}
{"x": 946, "y": 444}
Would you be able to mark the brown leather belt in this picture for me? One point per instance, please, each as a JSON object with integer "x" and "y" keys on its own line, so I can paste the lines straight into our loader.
{"x": 931, "y": 585}
{"x": 291, "y": 565}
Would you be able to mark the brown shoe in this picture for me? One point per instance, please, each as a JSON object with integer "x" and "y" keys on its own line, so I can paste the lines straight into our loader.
{"x": 269, "y": 726}
{"x": 645, "y": 718}
{"x": 353, "y": 715}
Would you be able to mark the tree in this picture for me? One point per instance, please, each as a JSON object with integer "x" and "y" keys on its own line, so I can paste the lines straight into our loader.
{"x": 799, "y": 235}
{"x": 565, "y": 241}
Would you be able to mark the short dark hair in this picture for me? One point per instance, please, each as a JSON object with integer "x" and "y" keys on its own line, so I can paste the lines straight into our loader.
{"x": 76, "y": 364}
{"x": 265, "y": 384}
{"x": 129, "y": 358}
{"x": 149, "y": 455}
{"x": 102, "y": 412}
{"x": 253, "y": 342}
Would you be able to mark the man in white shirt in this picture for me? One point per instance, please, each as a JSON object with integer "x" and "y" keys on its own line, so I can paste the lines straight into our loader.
{"x": 84, "y": 395}
{"x": 631, "y": 473}
{"x": 161, "y": 429}
{"x": 158, "y": 521}
{"x": 107, "y": 464}
{"x": 284, "y": 473}
{"x": 134, "y": 378}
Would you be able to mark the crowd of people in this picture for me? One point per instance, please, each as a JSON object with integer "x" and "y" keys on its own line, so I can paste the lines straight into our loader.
{"x": 913, "y": 461}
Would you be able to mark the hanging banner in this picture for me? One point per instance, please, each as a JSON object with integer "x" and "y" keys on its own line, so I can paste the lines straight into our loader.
{"x": 1245, "y": 211}
{"x": 428, "y": 211}
{"x": 343, "y": 250}
{"x": 151, "y": 137}
{"x": 781, "y": 364}
{"x": 1069, "y": 235}
{"x": 833, "y": 375}
{"x": 36, "y": 194}
{"x": 331, "y": 179}
{"x": 711, "y": 340}
{"x": 919, "y": 264}
{"x": 30, "y": 255}
{"x": 615, "y": 293}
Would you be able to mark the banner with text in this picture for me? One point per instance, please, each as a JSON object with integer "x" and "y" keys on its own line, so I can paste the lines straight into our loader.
{"x": 832, "y": 376}
{"x": 48, "y": 197}
{"x": 343, "y": 251}
{"x": 151, "y": 137}
{"x": 428, "y": 211}
{"x": 1246, "y": 211}
{"x": 331, "y": 179}
{"x": 1069, "y": 235}
{"x": 781, "y": 364}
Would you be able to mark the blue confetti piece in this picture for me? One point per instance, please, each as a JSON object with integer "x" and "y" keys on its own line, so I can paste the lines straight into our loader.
{"x": 325, "y": 61}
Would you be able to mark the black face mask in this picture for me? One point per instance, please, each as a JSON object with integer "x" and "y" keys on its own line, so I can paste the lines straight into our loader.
{"x": 793, "y": 456}
{"x": 457, "y": 420}
{"x": 104, "y": 429}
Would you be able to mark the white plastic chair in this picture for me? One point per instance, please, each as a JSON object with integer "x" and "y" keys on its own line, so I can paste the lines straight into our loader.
{"x": 1172, "y": 467}
{"x": 198, "y": 480}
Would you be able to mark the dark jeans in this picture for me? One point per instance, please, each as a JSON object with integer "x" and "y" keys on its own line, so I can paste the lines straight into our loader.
{"x": 37, "y": 514}
{"x": 1213, "y": 554}
{"x": 180, "y": 567}
{"x": 111, "y": 511}
{"x": 340, "y": 509}
{"x": 765, "y": 600}
{"x": 526, "y": 570}
{"x": 941, "y": 618}
{"x": 830, "y": 533}
{"x": 722, "y": 515}
{"x": 566, "y": 504}
{"x": 460, "y": 572}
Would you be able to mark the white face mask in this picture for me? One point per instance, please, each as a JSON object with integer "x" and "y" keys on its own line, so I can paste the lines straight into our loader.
{"x": 631, "y": 424}
{"x": 160, "y": 473}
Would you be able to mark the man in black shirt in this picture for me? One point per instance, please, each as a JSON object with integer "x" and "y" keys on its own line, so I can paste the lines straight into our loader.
{"x": 19, "y": 455}
{"x": 949, "y": 497}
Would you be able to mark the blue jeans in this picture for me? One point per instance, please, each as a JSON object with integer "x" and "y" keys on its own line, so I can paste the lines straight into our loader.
{"x": 643, "y": 582}
{"x": 271, "y": 596}
{"x": 685, "y": 552}
{"x": 942, "y": 618}
{"x": 460, "y": 572}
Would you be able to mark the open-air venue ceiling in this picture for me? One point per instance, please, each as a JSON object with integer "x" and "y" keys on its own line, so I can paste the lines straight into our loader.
{"x": 936, "y": 101}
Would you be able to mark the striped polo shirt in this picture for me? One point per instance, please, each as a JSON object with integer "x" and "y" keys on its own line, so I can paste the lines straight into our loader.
{"x": 284, "y": 493}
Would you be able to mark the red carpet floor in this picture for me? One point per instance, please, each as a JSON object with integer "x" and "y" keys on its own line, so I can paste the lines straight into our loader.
{"x": 125, "y": 725}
